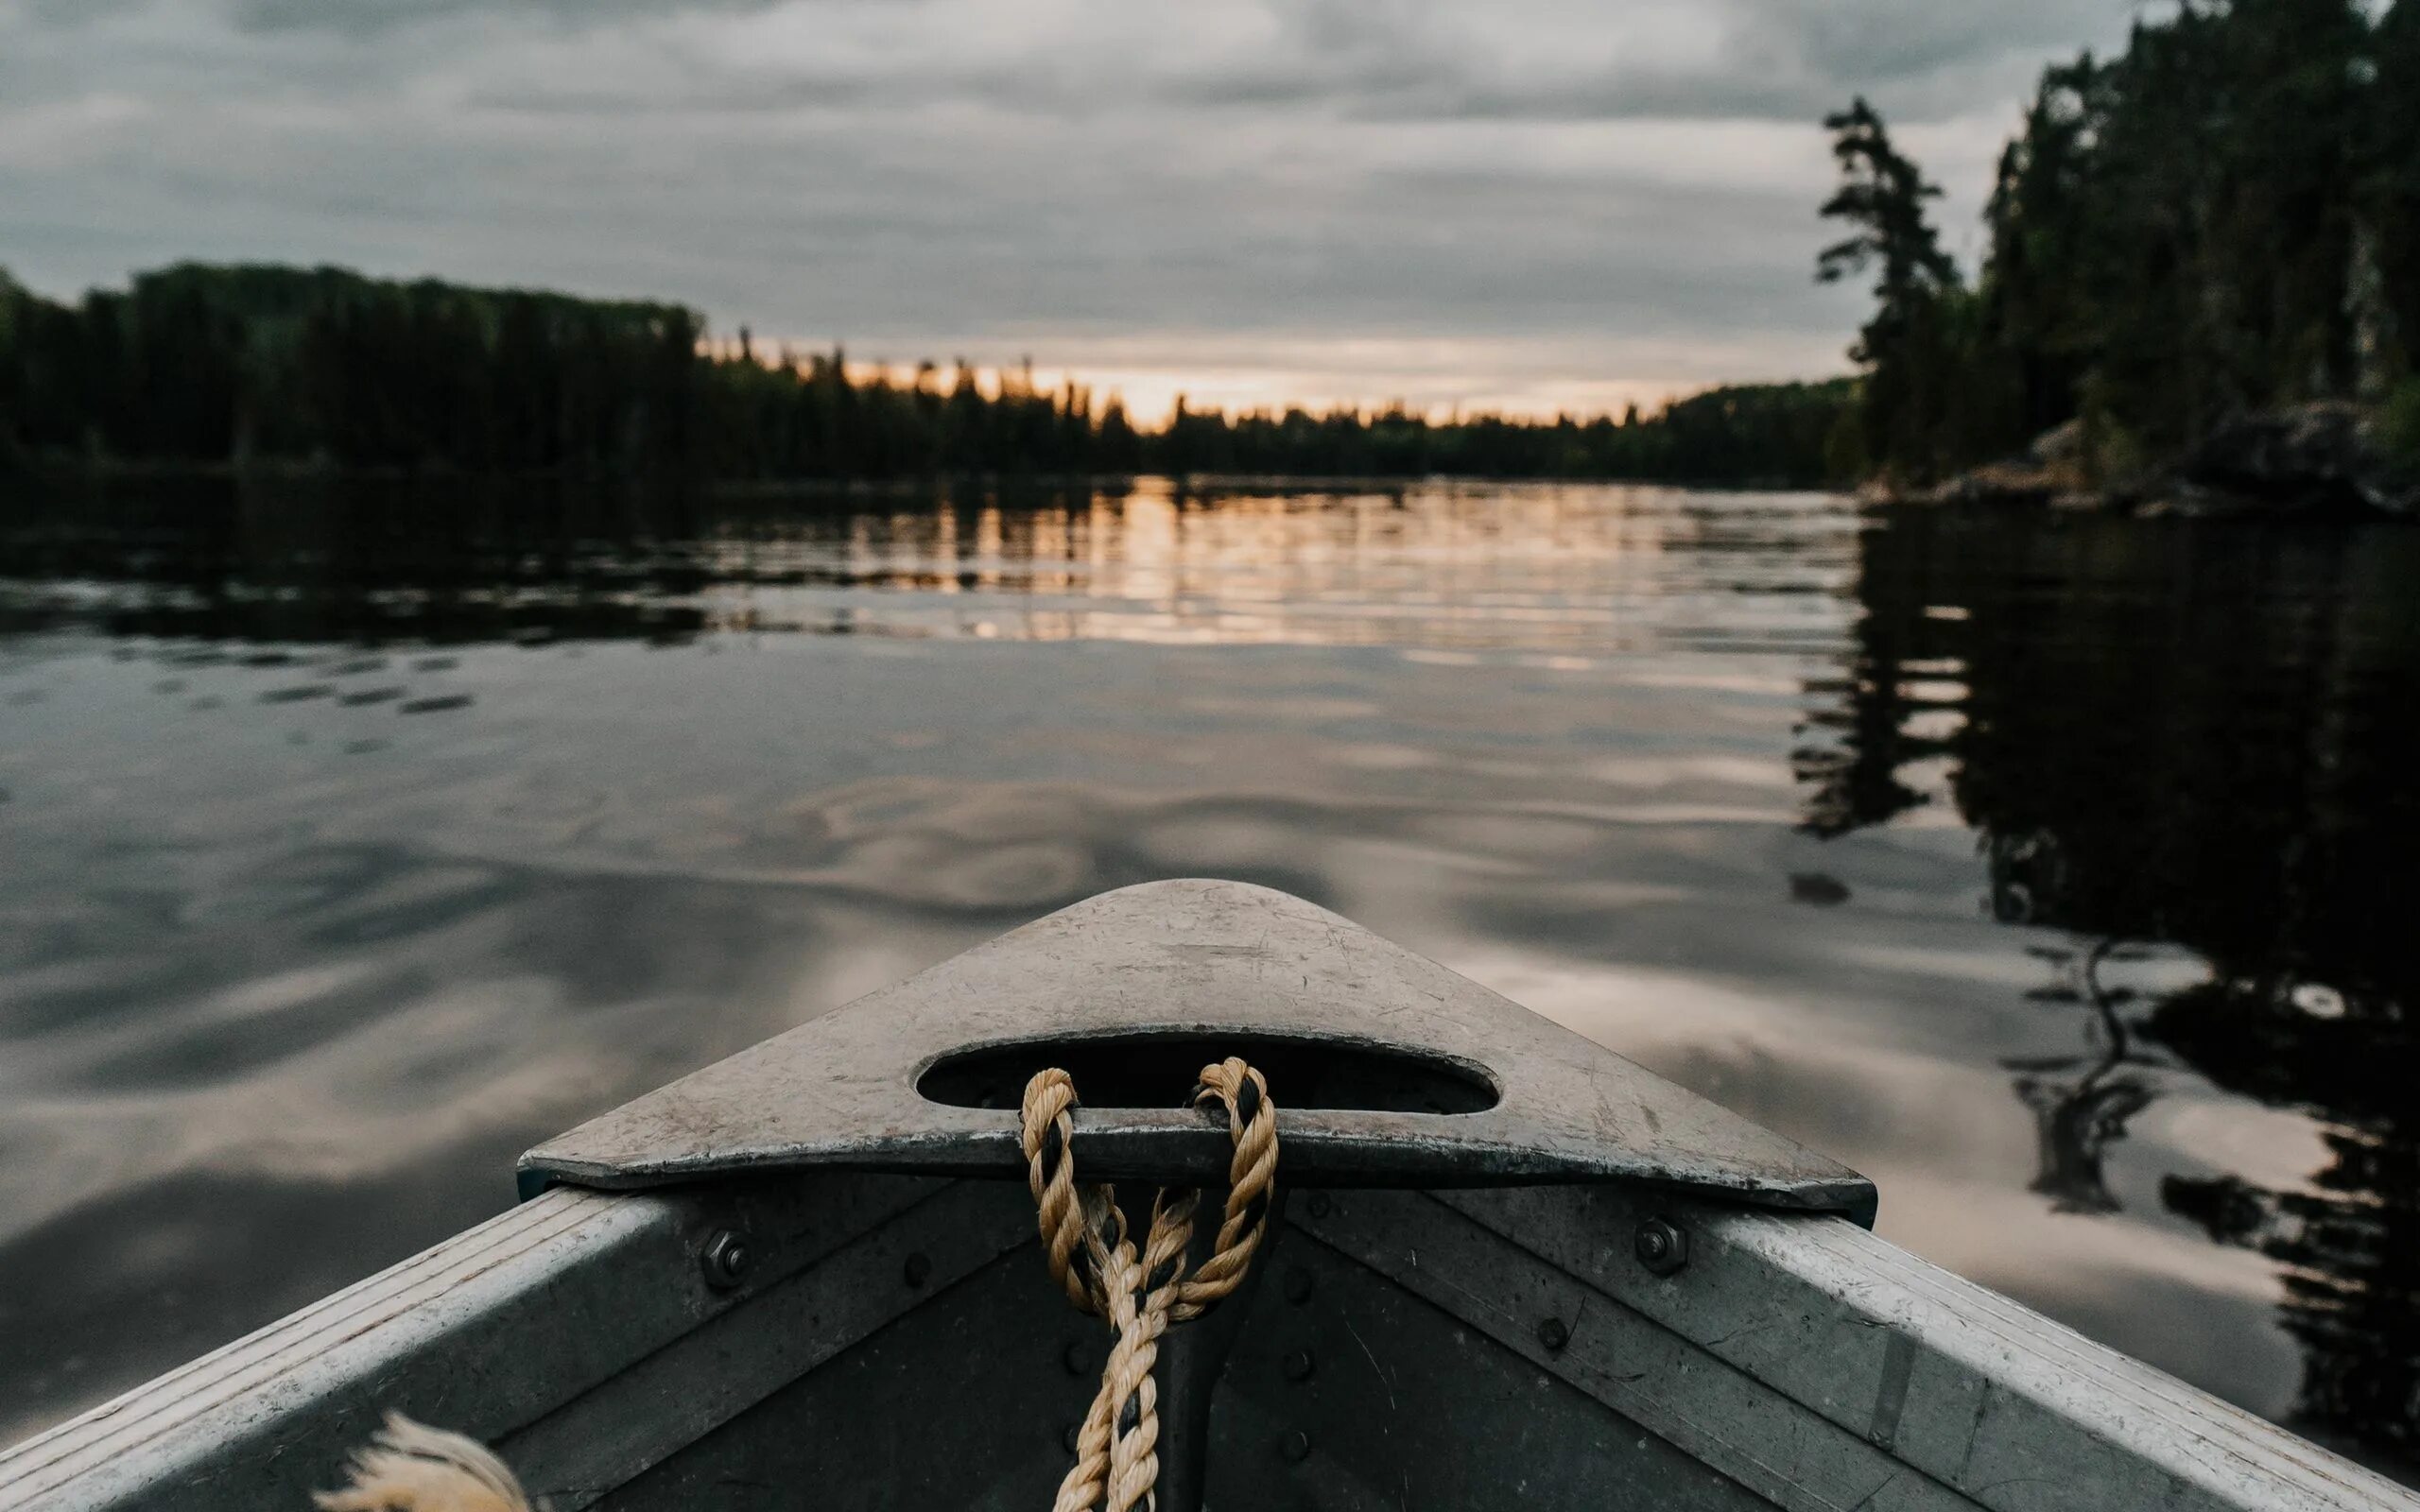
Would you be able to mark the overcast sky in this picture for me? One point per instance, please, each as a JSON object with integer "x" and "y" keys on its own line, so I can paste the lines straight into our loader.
{"x": 1514, "y": 202}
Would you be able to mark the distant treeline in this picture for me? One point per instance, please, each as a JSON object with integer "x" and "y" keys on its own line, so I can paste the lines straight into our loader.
{"x": 2223, "y": 219}
{"x": 265, "y": 366}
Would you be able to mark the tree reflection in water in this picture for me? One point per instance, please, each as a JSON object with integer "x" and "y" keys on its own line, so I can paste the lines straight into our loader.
{"x": 2081, "y": 1103}
{"x": 2197, "y": 733}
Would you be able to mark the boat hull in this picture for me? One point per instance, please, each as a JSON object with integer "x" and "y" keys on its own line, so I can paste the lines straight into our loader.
{"x": 896, "y": 1340}
{"x": 1508, "y": 1268}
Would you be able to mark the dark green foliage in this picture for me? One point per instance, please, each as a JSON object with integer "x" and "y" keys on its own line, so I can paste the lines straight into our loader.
{"x": 1753, "y": 434}
{"x": 216, "y": 365}
{"x": 1882, "y": 199}
{"x": 2392, "y": 162}
{"x": 251, "y": 366}
{"x": 2225, "y": 217}
{"x": 2399, "y": 423}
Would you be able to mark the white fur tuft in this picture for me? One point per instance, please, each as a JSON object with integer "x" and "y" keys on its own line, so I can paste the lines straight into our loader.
{"x": 411, "y": 1468}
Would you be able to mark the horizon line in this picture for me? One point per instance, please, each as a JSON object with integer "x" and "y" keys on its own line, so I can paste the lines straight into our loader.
{"x": 1150, "y": 397}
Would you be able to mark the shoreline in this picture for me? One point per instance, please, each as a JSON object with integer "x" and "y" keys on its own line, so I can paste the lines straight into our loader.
{"x": 2326, "y": 460}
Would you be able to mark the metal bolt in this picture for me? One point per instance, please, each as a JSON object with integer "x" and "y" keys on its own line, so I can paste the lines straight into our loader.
{"x": 917, "y": 1269}
{"x": 1295, "y": 1446}
{"x": 1554, "y": 1333}
{"x": 1298, "y": 1285}
{"x": 1661, "y": 1247}
{"x": 726, "y": 1258}
{"x": 1320, "y": 1205}
{"x": 1075, "y": 1358}
{"x": 1297, "y": 1365}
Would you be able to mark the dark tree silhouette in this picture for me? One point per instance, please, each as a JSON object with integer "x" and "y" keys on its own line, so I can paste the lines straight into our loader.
{"x": 1882, "y": 197}
{"x": 2222, "y": 218}
{"x": 258, "y": 368}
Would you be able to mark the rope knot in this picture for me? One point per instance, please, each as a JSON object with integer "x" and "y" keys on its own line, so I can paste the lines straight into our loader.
{"x": 1086, "y": 1239}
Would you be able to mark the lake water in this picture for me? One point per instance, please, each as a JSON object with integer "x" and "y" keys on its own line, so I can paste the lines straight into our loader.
{"x": 2057, "y": 873}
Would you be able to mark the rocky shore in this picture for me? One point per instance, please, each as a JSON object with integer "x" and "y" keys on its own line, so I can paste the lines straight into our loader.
{"x": 2327, "y": 460}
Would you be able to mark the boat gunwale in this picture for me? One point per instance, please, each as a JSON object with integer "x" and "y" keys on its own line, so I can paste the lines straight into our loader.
{"x": 1857, "y": 1293}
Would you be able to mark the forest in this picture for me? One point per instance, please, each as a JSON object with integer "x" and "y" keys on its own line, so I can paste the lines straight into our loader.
{"x": 265, "y": 367}
{"x": 2223, "y": 219}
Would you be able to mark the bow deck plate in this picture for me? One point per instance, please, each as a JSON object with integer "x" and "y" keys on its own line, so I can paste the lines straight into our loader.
{"x": 1388, "y": 1070}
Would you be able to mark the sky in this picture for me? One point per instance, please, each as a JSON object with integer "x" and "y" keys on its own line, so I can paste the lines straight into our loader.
{"x": 1517, "y": 204}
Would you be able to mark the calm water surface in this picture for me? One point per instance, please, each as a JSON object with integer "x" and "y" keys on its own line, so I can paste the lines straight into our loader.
{"x": 2056, "y": 873}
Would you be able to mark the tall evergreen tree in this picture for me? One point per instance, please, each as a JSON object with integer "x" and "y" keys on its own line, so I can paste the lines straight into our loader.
{"x": 1903, "y": 348}
{"x": 2038, "y": 330}
{"x": 2389, "y": 237}
{"x": 2219, "y": 219}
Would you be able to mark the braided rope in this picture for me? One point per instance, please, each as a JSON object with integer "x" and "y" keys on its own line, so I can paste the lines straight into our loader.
{"x": 1085, "y": 1238}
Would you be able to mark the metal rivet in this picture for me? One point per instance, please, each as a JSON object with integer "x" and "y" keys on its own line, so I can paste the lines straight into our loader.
{"x": 1661, "y": 1247}
{"x": 917, "y": 1268}
{"x": 1075, "y": 1358}
{"x": 1295, "y": 1446}
{"x": 1298, "y": 1285}
{"x": 1297, "y": 1365}
{"x": 1068, "y": 1437}
{"x": 1320, "y": 1205}
{"x": 1554, "y": 1333}
{"x": 726, "y": 1258}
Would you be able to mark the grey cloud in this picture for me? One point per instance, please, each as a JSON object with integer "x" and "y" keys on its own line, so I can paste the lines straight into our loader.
{"x": 1327, "y": 59}
{"x": 824, "y": 232}
{"x": 925, "y": 175}
{"x": 1768, "y": 59}
{"x": 1778, "y": 59}
{"x": 370, "y": 18}
{"x": 1364, "y": 59}
{"x": 1881, "y": 40}
{"x": 74, "y": 12}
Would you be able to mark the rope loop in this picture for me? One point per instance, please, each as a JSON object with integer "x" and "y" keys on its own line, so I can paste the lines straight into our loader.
{"x": 1092, "y": 1256}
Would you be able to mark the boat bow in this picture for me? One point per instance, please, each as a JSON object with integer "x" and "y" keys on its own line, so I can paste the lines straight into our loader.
{"x": 1388, "y": 1070}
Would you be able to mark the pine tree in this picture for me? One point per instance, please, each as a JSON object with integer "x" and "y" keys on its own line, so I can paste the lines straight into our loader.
{"x": 2390, "y": 195}
{"x": 1882, "y": 196}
